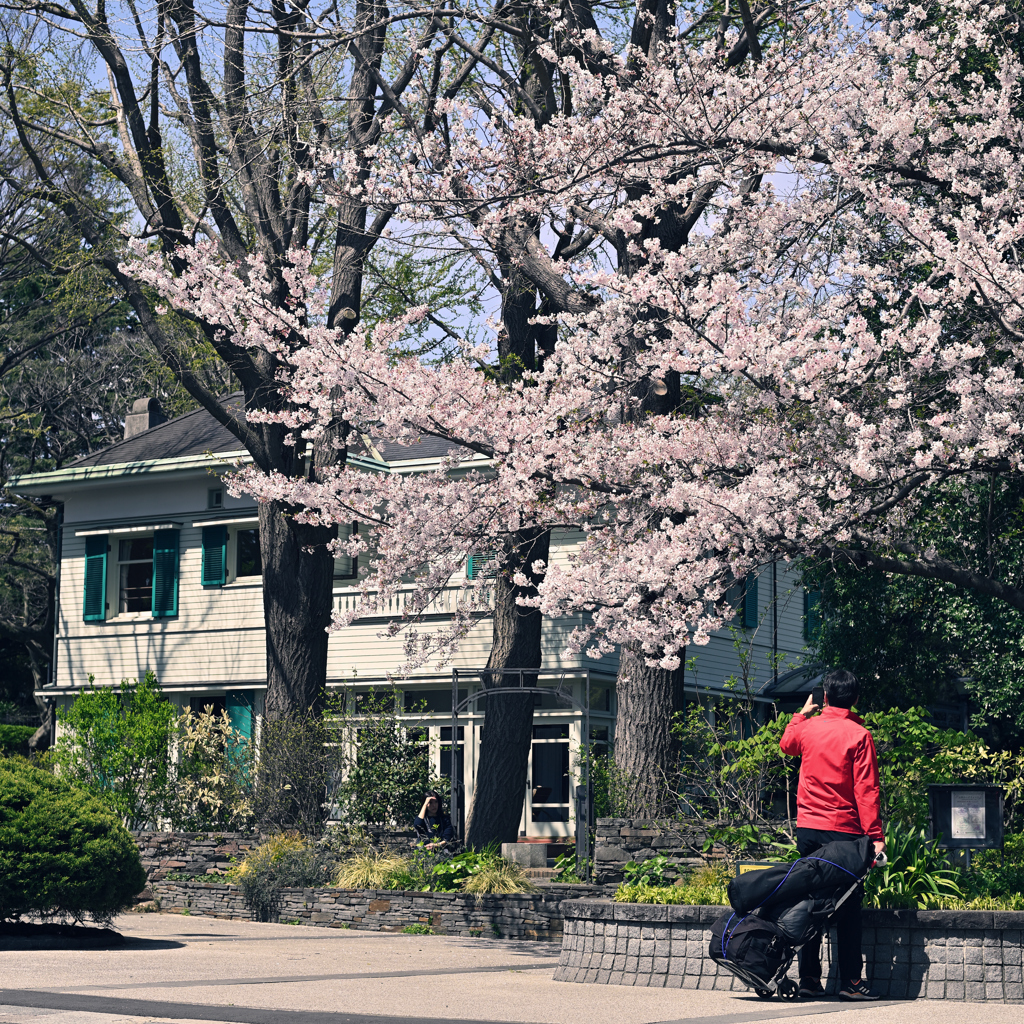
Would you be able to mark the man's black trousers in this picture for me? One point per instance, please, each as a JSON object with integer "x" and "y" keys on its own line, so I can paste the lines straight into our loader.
{"x": 846, "y": 919}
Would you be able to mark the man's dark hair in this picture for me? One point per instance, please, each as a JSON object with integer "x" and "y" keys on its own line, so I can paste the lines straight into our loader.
{"x": 841, "y": 688}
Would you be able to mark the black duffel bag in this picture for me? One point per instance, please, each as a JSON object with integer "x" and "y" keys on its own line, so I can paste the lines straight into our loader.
{"x": 824, "y": 873}
{"x": 752, "y": 944}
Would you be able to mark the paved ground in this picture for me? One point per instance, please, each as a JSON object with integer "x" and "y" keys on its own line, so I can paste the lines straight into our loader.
{"x": 180, "y": 969}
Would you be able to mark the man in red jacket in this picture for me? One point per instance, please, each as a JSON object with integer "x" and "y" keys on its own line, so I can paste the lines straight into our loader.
{"x": 837, "y": 799}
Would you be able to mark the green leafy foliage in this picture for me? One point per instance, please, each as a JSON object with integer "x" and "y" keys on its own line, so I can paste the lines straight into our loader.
{"x": 913, "y": 752}
{"x": 62, "y": 852}
{"x": 734, "y": 777}
{"x": 451, "y": 874}
{"x": 648, "y": 872}
{"x": 905, "y": 636}
{"x": 116, "y": 746}
{"x": 999, "y": 873}
{"x": 429, "y": 871}
{"x": 418, "y": 929}
{"x": 566, "y": 869}
{"x": 360, "y": 764}
{"x": 917, "y": 874}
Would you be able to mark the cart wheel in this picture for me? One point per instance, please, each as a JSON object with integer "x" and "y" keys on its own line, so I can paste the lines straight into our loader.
{"x": 788, "y": 989}
{"x": 763, "y": 993}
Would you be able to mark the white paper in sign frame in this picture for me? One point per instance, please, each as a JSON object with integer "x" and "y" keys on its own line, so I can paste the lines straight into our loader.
{"x": 967, "y": 815}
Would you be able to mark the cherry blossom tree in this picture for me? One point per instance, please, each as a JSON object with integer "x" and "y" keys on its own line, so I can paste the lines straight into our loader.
{"x": 778, "y": 262}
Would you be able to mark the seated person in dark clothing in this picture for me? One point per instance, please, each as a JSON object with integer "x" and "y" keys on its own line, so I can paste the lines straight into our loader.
{"x": 432, "y": 823}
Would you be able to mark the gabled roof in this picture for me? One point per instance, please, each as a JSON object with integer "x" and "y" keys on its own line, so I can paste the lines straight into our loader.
{"x": 192, "y": 433}
{"x": 197, "y": 432}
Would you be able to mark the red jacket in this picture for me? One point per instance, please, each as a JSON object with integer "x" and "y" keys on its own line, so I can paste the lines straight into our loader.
{"x": 838, "y": 789}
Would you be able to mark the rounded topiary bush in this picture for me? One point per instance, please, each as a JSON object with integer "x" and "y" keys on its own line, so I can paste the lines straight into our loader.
{"x": 62, "y": 853}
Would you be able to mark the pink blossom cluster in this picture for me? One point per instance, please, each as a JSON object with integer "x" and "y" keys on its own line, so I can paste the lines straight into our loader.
{"x": 848, "y": 330}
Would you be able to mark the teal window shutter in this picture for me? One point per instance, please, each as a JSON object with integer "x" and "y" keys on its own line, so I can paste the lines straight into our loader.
{"x": 482, "y": 566}
{"x": 812, "y": 613}
{"x": 215, "y": 556}
{"x": 94, "y": 605}
{"x": 750, "y": 602}
{"x": 239, "y": 709}
{"x": 165, "y": 573}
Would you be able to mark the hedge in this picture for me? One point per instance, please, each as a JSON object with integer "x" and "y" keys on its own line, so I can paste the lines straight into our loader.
{"x": 62, "y": 853}
{"x": 14, "y": 738}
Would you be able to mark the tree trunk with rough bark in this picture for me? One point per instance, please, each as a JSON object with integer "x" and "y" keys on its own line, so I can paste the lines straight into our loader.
{"x": 297, "y": 581}
{"x": 508, "y": 718}
{"x": 646, "y": 751}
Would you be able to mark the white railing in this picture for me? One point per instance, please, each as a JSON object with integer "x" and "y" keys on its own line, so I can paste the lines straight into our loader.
{"x": 400, "y": 603}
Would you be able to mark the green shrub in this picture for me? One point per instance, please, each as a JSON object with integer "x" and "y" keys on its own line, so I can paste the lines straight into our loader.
{"x": 418, "y": 929}
{"x": 212, "y": 776}
{"x": 14, "y": 739}
{"x": 999, "y": 874}
{"x": 705, "y": 887}
{"x": 63, "y": 854}
{"x": 285, "y": 861}
{"x": 115, "y": 745}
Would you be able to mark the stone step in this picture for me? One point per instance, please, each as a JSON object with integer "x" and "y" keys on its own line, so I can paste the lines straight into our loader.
{"x": 540, "y": 873}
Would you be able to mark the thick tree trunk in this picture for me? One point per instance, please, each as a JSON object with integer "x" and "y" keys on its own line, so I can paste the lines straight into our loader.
{"x": 646, "y": 751}
{"x": 297, "y": 580}
{"x": 508, "y": 718}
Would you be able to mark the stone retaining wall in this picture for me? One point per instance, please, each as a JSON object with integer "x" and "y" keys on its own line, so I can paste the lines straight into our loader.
{"x": 617, "y": 841}
{"x": 939, "y": 954}
{"x": 192, "y": 853}
{"x": 528, "y": 916}
{"x": 212, "y": 853}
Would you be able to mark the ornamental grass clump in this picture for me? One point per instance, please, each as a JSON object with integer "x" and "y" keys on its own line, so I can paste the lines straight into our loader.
{"x": 498, "y": 877}
{"x": 372, "y": 870}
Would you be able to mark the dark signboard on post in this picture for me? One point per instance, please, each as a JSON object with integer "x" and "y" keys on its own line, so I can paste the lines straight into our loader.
{"x": 966, "y": 817}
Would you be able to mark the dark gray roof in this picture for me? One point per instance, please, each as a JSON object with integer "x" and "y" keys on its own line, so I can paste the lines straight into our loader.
{"x": 196, "y": 432}
{"x": 192, "y": 433}
{"x": 424, "y": 448}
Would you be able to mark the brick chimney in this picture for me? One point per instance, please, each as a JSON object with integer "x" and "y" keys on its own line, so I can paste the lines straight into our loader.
{"x": 146, "y": 413}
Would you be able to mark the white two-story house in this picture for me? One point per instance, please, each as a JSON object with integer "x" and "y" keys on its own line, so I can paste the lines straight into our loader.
{"x": 160, "y": 570}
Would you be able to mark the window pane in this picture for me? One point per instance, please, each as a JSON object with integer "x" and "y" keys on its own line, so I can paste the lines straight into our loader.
{"x": 551, "y": 732}
{"x": 550, "y": 773}
{"x": 551, "y": 813}
{"x": 250, "y": 561}
{"x": 137, "y": 549}
{"x": 345, "y": 567}
{"x": 136, "y": 586}
{"x": 431, "y": 700}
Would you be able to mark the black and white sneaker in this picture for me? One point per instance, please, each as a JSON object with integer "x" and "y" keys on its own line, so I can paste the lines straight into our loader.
{"x": 857, "y": 992}
{"x": 810, "y": 988}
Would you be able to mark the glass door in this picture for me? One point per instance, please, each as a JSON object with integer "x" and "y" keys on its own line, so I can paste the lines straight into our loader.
{"x": 548, "y": 794}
